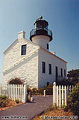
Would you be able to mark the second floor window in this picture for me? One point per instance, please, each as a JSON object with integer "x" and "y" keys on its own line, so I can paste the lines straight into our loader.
{"x": 23, "y": 50}
{"x": 49, "y": 68}
{"x": 61, "y": 72}
{"x": 43, "y": 67}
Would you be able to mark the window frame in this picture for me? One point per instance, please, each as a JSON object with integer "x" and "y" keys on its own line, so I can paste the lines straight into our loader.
{"x": 23, "y": 51}
{"x": 50, "y": 69}
{"x": 43, "y": 67}
{"x": 61, "y": 72}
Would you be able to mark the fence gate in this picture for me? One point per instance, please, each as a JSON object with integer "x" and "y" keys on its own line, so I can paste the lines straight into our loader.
{"x": 14, "y": 91}
{"x": 60, "y": 94}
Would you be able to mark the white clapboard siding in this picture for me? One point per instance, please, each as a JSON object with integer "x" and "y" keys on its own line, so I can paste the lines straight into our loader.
{"x": 60, "y": 94}
{"x": 14, "y": 91}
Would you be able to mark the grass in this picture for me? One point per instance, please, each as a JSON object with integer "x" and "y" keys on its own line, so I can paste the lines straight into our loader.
{"x": 54, "y": 112}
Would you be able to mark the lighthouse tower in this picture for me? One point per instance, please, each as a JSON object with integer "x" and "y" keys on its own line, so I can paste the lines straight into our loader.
{"x": 41, "y": 35}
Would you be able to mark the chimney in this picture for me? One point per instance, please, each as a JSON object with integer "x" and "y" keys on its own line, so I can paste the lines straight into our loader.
{"x": 21, "y": 34}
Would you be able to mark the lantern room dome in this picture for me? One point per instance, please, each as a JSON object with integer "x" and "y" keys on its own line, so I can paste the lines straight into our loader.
{"x": 41, "y": 28}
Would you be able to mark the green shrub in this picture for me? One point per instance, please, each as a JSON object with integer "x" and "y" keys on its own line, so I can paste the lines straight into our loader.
{"x": 34, "y": 91}
{"x": 28, "y": 89}
{"x": 40, "y": 91}
{"x": 52, "y": 108}
{"x": 73, "y": 102}
{"x": 4, "y": 101}
{"x": 49, "y": 89}
{"x": 3, "y": 97}
{"x": 65, "y": 108}
{"x": 17, "y": 101}
{"x": 37, "y": 94}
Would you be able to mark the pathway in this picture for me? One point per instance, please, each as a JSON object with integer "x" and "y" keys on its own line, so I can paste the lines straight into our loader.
{"x": 30, "y": 110}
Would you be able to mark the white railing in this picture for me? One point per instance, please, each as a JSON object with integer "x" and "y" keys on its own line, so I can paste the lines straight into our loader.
{"x": 60, "y": 94}
{"x": 15, "y": 91}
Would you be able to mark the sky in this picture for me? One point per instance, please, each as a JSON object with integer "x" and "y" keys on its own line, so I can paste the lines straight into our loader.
{"x": 63, "y": 19}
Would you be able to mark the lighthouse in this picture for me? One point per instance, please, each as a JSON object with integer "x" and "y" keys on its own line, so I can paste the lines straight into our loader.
{"x": 31, "y": 60}
{"x": 41, "y": 35}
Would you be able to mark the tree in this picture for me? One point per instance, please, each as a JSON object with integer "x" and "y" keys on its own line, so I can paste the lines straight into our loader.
{"x": 73, "y": 76}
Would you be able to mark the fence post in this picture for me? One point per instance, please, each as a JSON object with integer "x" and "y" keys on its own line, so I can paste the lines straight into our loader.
{"x": 44, "y": 93}
{"x": 62, "y": 96}
{"x": 25, "y": 92}
{"x": 59, "y": 96}
{"x": 65, "y": 96}
{"x": 54, "y": 93}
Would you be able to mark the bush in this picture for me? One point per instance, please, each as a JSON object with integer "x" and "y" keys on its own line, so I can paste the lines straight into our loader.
{"x": 65, "y": 108}
{"x": 17, "y": 101}
{"x": 34, "y": 91}
{"x": 40, "y": 91}
{"x": 73, "y": 102}
{"x": 3, "y": 97}
{"x": 28, "y": 89}
{"x": 49, "y": 89}
{"x": 4, "y": 100}
{"x": 15, "y": 81}
{"x": 52, "y": 108}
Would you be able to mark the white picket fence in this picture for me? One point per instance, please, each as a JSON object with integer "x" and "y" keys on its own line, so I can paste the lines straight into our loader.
{"x": 14, "y": 91}
{"x": 60, "y": 94}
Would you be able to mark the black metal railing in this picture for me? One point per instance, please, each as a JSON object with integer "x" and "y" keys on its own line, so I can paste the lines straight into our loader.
{"x": 41, "y": 31}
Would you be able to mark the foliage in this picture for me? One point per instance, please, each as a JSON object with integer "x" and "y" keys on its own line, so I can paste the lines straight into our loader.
{"x": 15, "y": 81}
{"x": 41, "y": 90}
{"x": 49, "y": 90}
{"x": 3, "y": 100}
{"x": 28, "y": 89}
{"x": 34, "y": 91}
{"x": 73, "y": 76}
{"x": 51, "y": 108}
{"x": 65, "y": 107}
{"x": 73, "y": 102}
{"x": 3, "y": 97}
{"x": 17, "y": 101}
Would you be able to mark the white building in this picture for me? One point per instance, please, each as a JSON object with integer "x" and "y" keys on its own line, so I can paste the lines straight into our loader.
{"x": 31, "y": 60}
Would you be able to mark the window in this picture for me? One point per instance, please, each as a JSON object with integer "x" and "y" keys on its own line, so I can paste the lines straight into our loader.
{"x": 48, "y": 46}
{"x": 23, "y": 50}
{"x": 61, "y": 72}
{"x": 64, "y": 73}
{"x": 47, "y": 84}
{"x": 49, "y": 68}
{"x": 43, "y": 67}
{"x": 56, "y": 72}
